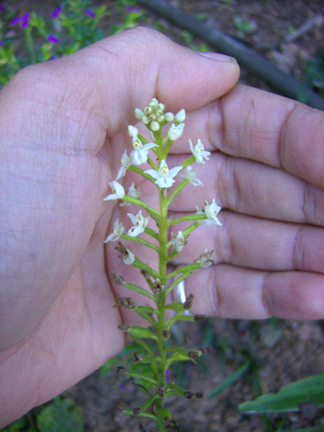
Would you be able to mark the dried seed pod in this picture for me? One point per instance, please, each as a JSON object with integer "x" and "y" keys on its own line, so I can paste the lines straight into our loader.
{"x": 166, "y": 334}
{"x": 157, "y": 287}
{"x": 137, "y": 357}
{"x": 136, "y": 411}
{"x": 199, "y": 317}
{"x": 188, "y": 303}
{"x": 123, "y": 327}
{"x": 120, "y": 369}
{"x": 126, "y": 302}
{"x": 188, "y": 394}
{"x": 199, "y": 395}
{"x": 161, "y": 391}
{"x": 118, "y": 279}
{"x": 194, "y": 354}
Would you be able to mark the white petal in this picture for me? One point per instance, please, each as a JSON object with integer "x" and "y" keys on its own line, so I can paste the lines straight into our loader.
{"x": 153, "y": 173}
{"x": 133, "y": 131}
{"x": 174, "y": 171}
{"x": 135, "y": 231}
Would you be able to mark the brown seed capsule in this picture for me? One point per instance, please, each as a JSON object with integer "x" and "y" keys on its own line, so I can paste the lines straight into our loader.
{"x": 126, "y": 302}
{"x": 199, "y": 317}
{"x": 136, "y": 411}
{"x": 123, "y": 327}
{"x": 118, "y": 279}
{"x": 137, "y": 357}
{"x": 188, "y": 394}
{"x": 194, "y": 354}
{"x": 166, "y": 334}
{"x": 120, "y": 369}
{"x": 161, "y": 391}
{"x": 157, "y": 287}
{"x": 199, "y": 395}
{"x": 188, "y": 303}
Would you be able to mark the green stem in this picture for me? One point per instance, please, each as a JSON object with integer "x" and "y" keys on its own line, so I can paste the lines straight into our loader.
{"x": 140, "y": 240}
{"x": 177, "y": 190}
{"x": 193, "y": 217}
{"x": 150, "y": 210}
{"x": 184, "y": 269}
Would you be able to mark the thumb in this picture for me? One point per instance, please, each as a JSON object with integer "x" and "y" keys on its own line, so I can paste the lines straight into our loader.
{"x": 106, "y": 81}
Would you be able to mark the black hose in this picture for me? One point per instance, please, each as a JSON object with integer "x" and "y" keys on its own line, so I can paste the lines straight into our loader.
{"x": 259, "y": 66}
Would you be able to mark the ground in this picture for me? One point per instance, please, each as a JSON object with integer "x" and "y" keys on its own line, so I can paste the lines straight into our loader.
{"x": 281, "y": 351}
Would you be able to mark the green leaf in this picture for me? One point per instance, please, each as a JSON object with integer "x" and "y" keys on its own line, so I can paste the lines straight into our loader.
{"x": 230, "y": 380}
{"x": 289, "y": 397}
{"x": 61, "y": 416}
{"x": 141, "y": 332}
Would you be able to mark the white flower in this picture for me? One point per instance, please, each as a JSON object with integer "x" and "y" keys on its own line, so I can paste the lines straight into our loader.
{"x": 140, "y": 223}
{"x": 175, "y": 132}
{"x": 133, "y": 192}
{"x": 118, "y": 190}
{"x": 139, "y": 155}
{"x": 125, "y": 162}
{"x": 164, "y": 177}
{"x": 181, "y": 116}
{"x": 190, "y": 174}
{"x": 199, "y": 152}
{"x": 117, "y": 232}
{"x": 211, "y": 211}
{"x": 179, "y": 241}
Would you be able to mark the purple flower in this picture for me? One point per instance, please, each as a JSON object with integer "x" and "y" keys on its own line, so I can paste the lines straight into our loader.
{"x": 131, "y": 8}
{"x": 24, "y": 19}
{"x": 91, "y": 13}
{"x": 53, "y": 58}
{"x": 167, "y": 376}
{"x": 1, "y": 8}
{"x": 52, "y": 39}
{"x": 1, "y": 43}
{"x": 57, "y": 12}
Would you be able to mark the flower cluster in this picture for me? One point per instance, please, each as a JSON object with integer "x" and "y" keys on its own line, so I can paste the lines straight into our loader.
{"x": 165, "y": 128}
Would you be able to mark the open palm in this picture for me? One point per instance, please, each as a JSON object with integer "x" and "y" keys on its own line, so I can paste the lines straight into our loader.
{"x": 63, "y": 130}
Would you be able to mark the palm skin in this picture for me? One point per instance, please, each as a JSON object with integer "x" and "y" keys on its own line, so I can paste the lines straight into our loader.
{"x": 63, "y": 130}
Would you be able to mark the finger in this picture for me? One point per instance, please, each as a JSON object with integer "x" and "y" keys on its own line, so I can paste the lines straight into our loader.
{"x": 232, "y": 292}
{"x": 99, "y": 87}
{"x": 256, "y": 125}
{"x": 252, "y": 188}
{"x": 259, "y": 244}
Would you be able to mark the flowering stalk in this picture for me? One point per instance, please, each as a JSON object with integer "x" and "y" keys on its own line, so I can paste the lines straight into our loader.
{"x": 157, "y": 383}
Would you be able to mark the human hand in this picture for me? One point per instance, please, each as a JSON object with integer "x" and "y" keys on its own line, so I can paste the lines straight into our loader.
{"x": 63, "y": 129}
{"x": 267, "y": 172}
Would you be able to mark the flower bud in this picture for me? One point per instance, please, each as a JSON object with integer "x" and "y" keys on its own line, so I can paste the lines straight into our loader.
{"x": 138, "y": 114}
{"x": 180, "y": 116}
{"x": 155, "y": 126}
{"x": 145, "y": 120}
{"x": 169, "y": 116}
{"x": 133, "y": 131}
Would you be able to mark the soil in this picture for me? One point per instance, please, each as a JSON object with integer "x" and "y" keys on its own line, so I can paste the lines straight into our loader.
{"x": 281, "y": 351}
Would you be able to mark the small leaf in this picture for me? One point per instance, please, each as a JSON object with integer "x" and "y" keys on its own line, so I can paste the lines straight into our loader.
{"x": 289, "y": 397}
{"x": 230, "y": 380}
{"x": 141, "y": 332}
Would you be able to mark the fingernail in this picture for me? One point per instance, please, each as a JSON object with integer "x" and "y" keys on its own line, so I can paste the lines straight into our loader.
{"x": 218, "y": 56}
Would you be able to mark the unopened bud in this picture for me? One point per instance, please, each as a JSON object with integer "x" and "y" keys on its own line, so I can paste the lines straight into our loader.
{"x": 145, "y": 120}
{"x": 169, "y": 116}
{"x": 180, "y": 116}
{"x": 133, "y": 131}
{"x": 138, "y": 114}
{"x": 155, "y": 126}
{"x": 147, "y": 110}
